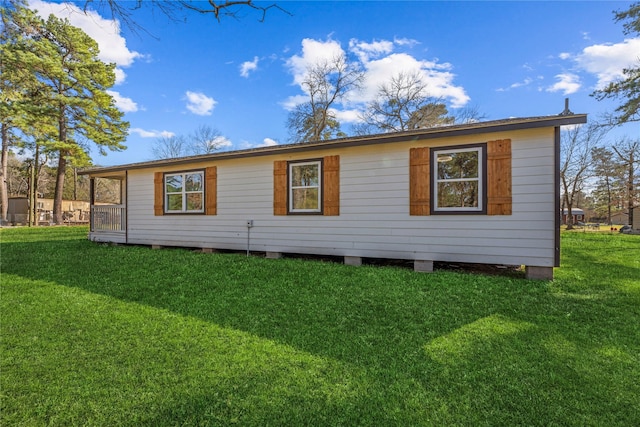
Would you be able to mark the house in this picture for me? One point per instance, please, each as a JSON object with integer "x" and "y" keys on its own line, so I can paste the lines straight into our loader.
{"x": 576, "y": 213}
{"x": 18, "y": 210}
{"x": 620, "y": 217}
{"x": 475, "y": 193}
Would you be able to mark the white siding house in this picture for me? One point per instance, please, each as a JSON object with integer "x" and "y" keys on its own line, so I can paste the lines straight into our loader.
{"x": 476, "y": 193}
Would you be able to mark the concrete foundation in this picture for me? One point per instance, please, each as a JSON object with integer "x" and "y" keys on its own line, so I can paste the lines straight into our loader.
{"x": 423, "y": 266}
{"x": 273, "y": 255}
{"x": 538, "y": 273}
{"x": 353, "y": 260}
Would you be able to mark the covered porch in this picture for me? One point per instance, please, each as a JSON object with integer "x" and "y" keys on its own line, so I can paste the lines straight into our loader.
{"x": 108, "y": 199}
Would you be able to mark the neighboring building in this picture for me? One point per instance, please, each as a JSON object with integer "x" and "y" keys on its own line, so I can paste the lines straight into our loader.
{"x": 576, "y": 213}
{"x": 73, "y": 210}
{"x": 476, "y": 193}
{"x": 620, "y": 218}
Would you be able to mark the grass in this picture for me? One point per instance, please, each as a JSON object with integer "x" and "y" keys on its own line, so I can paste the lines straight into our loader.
{"x": 118, "y": 335}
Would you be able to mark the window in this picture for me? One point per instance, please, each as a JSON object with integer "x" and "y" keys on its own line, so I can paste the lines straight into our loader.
{"x": 305, "y": 187}
{"x": 309, "y": 186}
{"x": 458, "y": 179}
{"x": 466, "y": 179}
{"x": 184, "y": 192}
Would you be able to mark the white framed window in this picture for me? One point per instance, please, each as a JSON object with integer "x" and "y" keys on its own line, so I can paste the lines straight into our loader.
{"x": 458, "y": 179}
{"x": 184, "y": 192}
{"x": 305, "y": 187}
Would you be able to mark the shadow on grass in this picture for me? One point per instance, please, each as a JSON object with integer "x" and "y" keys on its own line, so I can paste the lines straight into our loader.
{"x": 402, "y": 347}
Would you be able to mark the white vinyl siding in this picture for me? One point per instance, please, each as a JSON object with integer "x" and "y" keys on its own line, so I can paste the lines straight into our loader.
{"x": 374, "y": 218}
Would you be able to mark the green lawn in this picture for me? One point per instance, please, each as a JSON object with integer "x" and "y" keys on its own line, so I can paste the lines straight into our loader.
{"x": 105, "y": 335}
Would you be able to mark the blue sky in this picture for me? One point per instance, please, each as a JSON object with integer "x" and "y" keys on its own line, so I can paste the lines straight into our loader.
{"x": 240, "y": 76}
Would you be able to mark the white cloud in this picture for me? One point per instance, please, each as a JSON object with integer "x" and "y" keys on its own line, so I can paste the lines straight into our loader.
{"x": 151, "y": 133}
{"x": 125, "y": 104}
{"x": 199, "y": 103}
{"x": 291, "y": 102}
{"x": 268, "y": 142}
{"x": 380, "y": 63}
{"x": 526, "y": 82}
{"x": 567, "y": 84}
{"x": 607, "y": 61}
{"x": 365, "y": 50}
{"x": 248, "y": 67}
{"x": 348, "y": 116}
{"x": 313, "y": 52}
{"x": 436, "y": 76}
{"x": 221, "y": 142}
{"x": 106, "y": 32}
{"x": 120, "y": 75}
{"x": 406, "y": 42}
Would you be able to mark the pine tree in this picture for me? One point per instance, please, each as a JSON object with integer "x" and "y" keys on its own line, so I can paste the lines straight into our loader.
{"x": 73, "y": 108}
{"x": 19, "y": 87}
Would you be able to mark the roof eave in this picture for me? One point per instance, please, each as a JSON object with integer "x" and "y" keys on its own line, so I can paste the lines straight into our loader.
{"x": 421, "y": 134}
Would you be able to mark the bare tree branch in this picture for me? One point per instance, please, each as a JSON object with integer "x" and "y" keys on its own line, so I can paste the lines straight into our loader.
{"x": 326, "y": 83}
{"x": 205, "y": 140}
{"x": 576, "y": 161}
{"x": 173, "y": 9}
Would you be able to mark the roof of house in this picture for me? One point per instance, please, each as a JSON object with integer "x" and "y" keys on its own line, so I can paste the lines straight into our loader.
{"x": 419, "y": 134}
{"x": 574, "y": 211}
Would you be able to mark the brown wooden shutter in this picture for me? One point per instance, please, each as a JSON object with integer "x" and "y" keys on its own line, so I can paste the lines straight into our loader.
{"x": 280, "y": 187}
{"x": 158, "y": 194}
{"x": 419, "y": 180}
{"x": 331, "y": 185}
{"x": 211, "y": 190}
{"x": 499, "y": 177}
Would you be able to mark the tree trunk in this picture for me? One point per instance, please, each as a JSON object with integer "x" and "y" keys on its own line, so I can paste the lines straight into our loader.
{"x": 569, "y": 216}
{"x": 62, "y": 168}
{"x": 57, "y": 195}
{"x": 4, "y": 196}
{"x": 631, "y": 192}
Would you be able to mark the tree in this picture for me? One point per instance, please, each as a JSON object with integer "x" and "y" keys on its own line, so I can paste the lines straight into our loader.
{"x": 18, "y": 88}
{"x": 76, "y": 109}
{"x": 404, "y": 104}
{"x": 205, "y": 140}
{"x": 628, "y": 153}
{"x": 326, "y": 83}
{"x": 123, "y": 11}
{"x": 468, "y": 115}
{"x": 628, "y": 88}
{"x": 607, "y": 173}
{"x": 170, "y": 147}
{"x": 576, "y": 146}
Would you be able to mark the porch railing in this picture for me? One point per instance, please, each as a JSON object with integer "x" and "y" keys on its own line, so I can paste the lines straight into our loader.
{"x": 109, "y": 218}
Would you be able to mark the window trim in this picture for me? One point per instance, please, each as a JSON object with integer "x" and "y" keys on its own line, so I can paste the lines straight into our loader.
{"x": 482, "y": 180}
{"x": 183, "y": 211}
{"x": 320, "y": 210}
